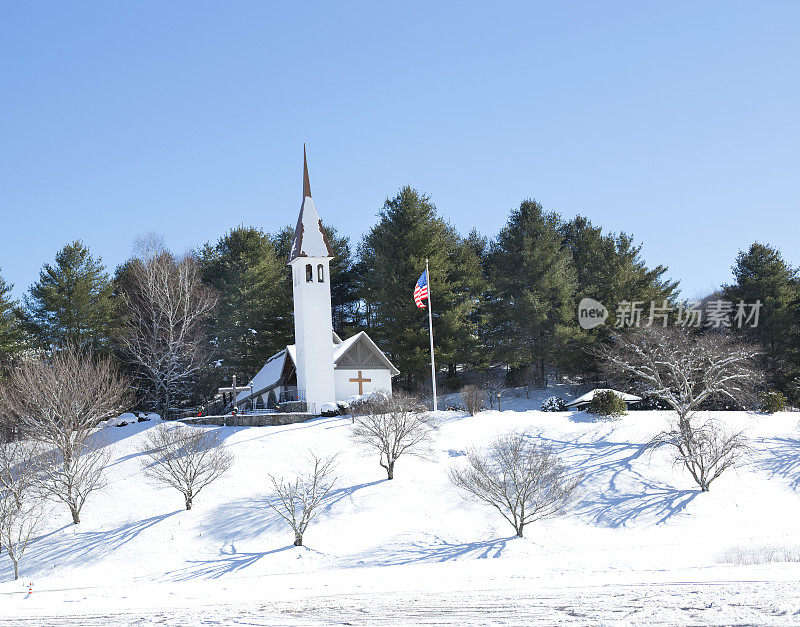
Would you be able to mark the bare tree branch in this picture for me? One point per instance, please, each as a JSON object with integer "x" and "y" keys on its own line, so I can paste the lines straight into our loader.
{"x": 298, "y": 499}
{"x": 392, "y": 426}
{"x": 59, "y": 400}
{"x": 686, "y": 369}
{"x": 21, "y": 510}
{"x": 163, "y": 336}
{"x": 473, "y": 397}
{"x": 705, "y": 450}
{"x": 521, "y": 479}
{"x": 185, "y": 458}
{"x": 683, "y": 368}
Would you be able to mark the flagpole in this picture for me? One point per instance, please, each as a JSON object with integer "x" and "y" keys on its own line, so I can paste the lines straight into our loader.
{"x": 430, "y": 328}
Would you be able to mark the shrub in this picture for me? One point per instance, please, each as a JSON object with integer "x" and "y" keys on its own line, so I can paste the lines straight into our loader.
{"x": 329, "y": 409}
{"x": 607, "y": 403}
{"x": 705, "y": 450}
{"x": 392, "y": 426}
{"x": 185, "y": 458}
{"x": 773, "y": 401}
{"x": 766, "y": 554}
{"x": 297, "y": 499}
{"x": 523, "y": 480}
{"x": 554, "y": 403}
{"x": 473, "y": 395}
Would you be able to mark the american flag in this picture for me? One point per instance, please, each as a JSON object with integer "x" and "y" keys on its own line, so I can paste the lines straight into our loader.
{"x": 421, "y": 290}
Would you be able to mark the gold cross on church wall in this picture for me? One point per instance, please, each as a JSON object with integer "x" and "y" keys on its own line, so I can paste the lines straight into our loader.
{"x": 361, "y": 381}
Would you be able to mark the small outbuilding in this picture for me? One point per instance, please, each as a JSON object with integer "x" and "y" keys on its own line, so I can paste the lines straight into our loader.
{"x": 582, "y": 402}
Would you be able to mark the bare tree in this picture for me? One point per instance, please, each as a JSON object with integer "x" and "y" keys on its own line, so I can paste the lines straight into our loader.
{"x": 686, "y": 369}
{"x": 521, "y": 479}
{"x": 683, "y": 368}
{"x": 185, "y": 458}
{"x": 297, "y": 500}
{"x": 21, "y": 510}
{"x": 706, "y": 450}
{"x": 58, "y": 401}
{"x": 393, "y": 426}
{"x": 473, "y": 396}
{"x": 163, "y": 337}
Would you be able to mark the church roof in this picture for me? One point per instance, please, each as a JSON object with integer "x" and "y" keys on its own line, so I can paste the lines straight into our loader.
{"x": 271, "y": 375}
{"x": 268, "y": 377}
{"x": 340, "y": 350}
{"x": 309, "y": 237}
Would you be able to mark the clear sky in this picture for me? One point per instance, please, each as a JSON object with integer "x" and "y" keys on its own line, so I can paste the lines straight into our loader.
{"x": 676, "y": 122}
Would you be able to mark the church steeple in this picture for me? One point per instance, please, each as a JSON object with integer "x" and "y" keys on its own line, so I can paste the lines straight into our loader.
{"x": 309, "y": 237}
{"x": 306, "y": 182}
{"x": 311, "y": 288}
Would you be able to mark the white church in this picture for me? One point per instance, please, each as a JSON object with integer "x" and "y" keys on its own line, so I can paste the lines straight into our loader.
{"x": 319, "y": 367}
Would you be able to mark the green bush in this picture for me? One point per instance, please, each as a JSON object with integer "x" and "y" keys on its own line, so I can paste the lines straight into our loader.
{"x": 554, "y": 403}
{"x": 607, "y": 404}
{"x": 772, "y": 401}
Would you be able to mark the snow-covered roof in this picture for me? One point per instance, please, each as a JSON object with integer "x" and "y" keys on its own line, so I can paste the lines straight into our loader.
{"x": 309, "y": 237}
{"x": 340, "y": 350}
{"x": 344, "y": 346}
{"x": 269, "y": 376}
{"x": 587, "y": 398}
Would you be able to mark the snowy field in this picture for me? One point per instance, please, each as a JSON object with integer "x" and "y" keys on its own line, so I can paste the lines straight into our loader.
{"x": 642, "y": 546}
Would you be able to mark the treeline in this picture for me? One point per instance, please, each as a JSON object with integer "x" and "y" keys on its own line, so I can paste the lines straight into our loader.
{"x": 509, "y": 300}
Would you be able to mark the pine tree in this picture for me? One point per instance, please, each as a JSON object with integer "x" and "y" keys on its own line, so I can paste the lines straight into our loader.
{"x": 11, "y": 334}
{"x": 391, "y": 258}
{"x": 72, "y": 302}
{"x": 609, "y": 269}
{"x": 252, "y": 319}
{"x": 762, "y": 274}
{"x": 533, "y": 289}
{"x": 473, "y": 288}
{"x": 791, "y": 378}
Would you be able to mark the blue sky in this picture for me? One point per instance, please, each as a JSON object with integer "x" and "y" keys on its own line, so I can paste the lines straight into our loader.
{"x": 676, "y": 122}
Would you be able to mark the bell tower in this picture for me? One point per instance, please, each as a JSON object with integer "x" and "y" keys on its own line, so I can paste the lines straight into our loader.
{"x": 309, "y": 260}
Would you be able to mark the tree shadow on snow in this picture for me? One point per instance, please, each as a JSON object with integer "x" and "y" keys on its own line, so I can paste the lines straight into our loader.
{"x": 62, "y": 549}
{"x": 336, "y": 495}
{"x": 216, "y": 568}
{"x": 251, "y": 516}
{"x": 418, "y": 552}
{"x": 781, "y": 458}
{"x": 586, "y": 417}
{"x": 621, "y": 495}
{"x": 654, "y": 503}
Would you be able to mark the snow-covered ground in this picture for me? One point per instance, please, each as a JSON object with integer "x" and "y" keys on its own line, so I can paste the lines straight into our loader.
{"x": 643, "y": 545}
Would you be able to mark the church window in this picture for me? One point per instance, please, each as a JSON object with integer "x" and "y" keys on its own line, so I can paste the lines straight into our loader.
{"x": 320, "y": 273}
{"x": 309, "y": 273}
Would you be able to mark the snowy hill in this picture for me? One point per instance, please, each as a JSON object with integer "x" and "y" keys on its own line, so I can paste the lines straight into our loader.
{"x": 641, "y": 531}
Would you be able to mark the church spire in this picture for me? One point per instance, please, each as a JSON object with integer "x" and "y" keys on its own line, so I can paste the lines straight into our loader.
{"x": 309, "y": 236}
{"x": 306, "y": 182}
